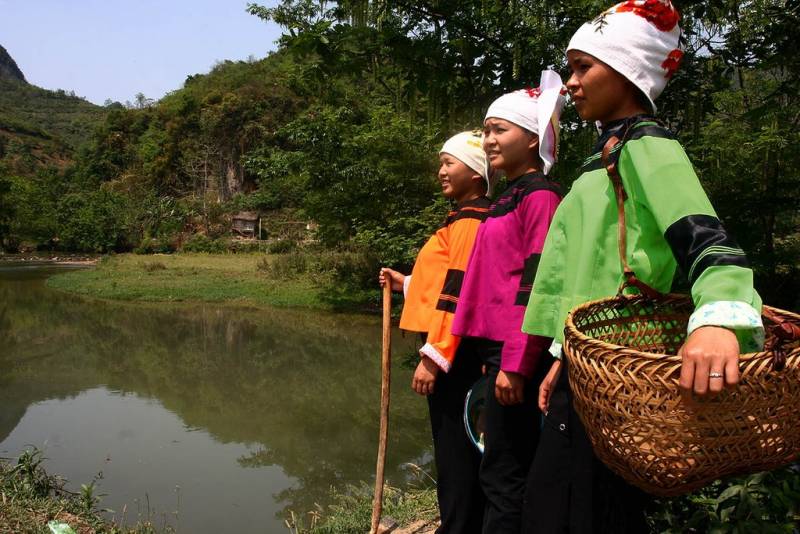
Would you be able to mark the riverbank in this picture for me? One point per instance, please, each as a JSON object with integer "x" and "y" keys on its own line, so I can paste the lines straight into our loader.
{"x": 30, "y": 499}
{"x": 763, "y": 502}
{"x": 289, "y": 280}
{"x": 51, "y": 259}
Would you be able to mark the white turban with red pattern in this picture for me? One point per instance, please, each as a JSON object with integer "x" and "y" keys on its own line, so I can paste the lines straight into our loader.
{"x": 640, "y": 39}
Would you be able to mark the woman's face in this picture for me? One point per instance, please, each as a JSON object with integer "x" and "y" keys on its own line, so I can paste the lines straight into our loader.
{"x": 457, "y": 179}
{"x": 507, "y": 145}
{"x": 599, "y": 92}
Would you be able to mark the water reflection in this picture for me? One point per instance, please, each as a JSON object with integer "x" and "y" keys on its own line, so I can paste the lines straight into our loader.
{"x": 295, "y": 391}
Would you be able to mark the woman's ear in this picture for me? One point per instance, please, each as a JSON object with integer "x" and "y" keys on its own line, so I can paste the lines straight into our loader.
{"x": 478, "y": 181}
{"x": 533, "y": 143}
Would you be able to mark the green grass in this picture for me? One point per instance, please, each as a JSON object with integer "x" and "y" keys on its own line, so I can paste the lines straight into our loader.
{"x": 353, "y": 510}
{"x": 233, "y": 278}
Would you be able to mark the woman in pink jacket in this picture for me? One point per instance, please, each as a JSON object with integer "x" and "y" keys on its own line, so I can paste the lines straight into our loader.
{"x": 520, "y": 138}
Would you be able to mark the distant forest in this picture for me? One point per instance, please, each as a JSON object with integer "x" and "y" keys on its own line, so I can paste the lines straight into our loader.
{"x": 341, "y": 126}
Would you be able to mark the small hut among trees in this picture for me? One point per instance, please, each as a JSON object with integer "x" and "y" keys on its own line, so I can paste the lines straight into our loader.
{"x": 246, "y": 224}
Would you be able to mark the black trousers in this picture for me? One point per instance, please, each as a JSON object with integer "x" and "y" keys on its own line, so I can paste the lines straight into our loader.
{"x": 569, "y": 490}
{"x": 461, "y": 500}
{"x": 511, "y": 436}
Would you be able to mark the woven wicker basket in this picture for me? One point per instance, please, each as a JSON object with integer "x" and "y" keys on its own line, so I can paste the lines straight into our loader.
{"x": 624, "y": 376}
{"x": 625, "y": 387}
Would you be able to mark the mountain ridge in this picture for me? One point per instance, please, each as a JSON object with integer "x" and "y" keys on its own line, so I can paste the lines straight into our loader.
{"x": 40, "y": 128}
{"x": 8, "y": 67}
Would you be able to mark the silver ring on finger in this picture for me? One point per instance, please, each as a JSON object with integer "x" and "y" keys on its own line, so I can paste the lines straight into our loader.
{"x": 715, "y": 375}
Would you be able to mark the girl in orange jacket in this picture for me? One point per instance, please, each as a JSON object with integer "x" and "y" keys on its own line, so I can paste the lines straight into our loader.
{"x": 448, "y": 367}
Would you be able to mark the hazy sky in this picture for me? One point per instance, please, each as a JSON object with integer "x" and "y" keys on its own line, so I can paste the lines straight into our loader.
{"x": 116, "y": 48}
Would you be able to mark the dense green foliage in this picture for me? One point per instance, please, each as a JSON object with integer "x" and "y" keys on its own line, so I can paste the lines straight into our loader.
{"x": 763, "y": 502}
{"x": 40, "y": 127}
{"x": 7, "y": 208}
{"x": 341, "y": 126}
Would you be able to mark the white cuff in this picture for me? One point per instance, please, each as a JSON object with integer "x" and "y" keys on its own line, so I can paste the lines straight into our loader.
{"x": 740, "y": 317}
{"x": 555, "y": 349}
{"x": 406, "y": 281}
{"x": 431, "y": 352}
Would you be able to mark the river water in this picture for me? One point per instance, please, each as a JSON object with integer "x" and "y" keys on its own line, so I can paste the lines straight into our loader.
{"x": 205, "y": 417}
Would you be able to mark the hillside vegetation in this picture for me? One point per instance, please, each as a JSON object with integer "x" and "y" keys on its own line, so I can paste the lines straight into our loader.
{"x": 340, "y": 128}
{"x": 40, "y": 128}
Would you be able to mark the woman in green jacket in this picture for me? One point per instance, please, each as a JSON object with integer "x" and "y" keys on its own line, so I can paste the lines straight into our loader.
{"x": 620, "y": 63}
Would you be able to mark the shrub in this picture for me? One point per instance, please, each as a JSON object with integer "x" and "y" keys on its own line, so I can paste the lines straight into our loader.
{"x": 154, "y": 266}
{"x": 264, "y": 265}
{"x": 349, "y": 279}
{"x": 92, "y": 222}
{"x": 282, "y": 246}
{"x": 202, "y": 243}
{"x": 236, "y": 246}
{"x": 286, "y": 266}
{"x": 763, "y": 502}
{"x": 352, "y": 269}
{"x": 155, "y": 245}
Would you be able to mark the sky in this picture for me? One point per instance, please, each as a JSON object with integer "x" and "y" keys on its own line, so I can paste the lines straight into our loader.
{"x": 114, "y": 49}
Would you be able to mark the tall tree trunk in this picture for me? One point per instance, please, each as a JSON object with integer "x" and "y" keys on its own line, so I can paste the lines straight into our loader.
{"x": 233, "y": 181}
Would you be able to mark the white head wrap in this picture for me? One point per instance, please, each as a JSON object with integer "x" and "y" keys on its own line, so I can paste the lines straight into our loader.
{"x": 639, "y": 39}
{"x": 467, "y": 147}
{"x": 538, "y": 111}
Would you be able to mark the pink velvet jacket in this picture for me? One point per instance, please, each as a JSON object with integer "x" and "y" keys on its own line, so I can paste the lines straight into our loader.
{"x": 501, "y": 269}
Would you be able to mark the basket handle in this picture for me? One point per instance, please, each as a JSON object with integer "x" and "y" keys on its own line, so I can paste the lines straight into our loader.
{"x": 782, "y": 330}
{"x": 619, "y": 192}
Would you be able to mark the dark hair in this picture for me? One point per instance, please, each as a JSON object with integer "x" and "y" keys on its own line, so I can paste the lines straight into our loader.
{"x": 641, "y": 99}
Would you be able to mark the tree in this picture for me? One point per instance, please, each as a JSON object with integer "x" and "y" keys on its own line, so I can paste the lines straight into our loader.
{"x": 440, "y": 63}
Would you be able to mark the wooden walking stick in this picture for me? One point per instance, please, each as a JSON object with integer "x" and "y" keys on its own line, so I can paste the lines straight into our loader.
{"x": 386, "y": 369}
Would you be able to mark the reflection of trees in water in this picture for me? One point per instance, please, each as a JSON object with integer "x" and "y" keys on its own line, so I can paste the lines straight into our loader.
{"x": 5, "y": 323}
{"x": 31, "y": 340}
{"x": 301, "y": 387}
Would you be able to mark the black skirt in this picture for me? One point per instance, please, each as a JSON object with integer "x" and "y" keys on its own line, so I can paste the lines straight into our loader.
{"x": 568, "y": 489}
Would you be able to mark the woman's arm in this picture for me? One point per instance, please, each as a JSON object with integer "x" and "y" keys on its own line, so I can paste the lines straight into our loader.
{"x": 727, "y": 318}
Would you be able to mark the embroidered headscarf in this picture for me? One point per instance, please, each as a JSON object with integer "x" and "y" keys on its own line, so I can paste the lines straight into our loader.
{"x": 538, "y": 111}
{"x": 639, "y": 39}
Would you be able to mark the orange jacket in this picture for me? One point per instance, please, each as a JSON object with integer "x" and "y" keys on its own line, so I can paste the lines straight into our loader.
{"x": 436, "y": 279}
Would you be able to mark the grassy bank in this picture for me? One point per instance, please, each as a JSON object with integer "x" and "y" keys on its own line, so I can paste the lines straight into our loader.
{"x": 30, "y": 499}
{"x": 295, "y": 279}
{"x": 414, "y": 510}
{"x": 762, "y": 502}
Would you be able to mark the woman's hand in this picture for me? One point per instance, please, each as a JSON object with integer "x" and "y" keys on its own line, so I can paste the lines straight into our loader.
{"x": 395, "y": 278}
{"x": 710, "y": 361}
{"x": 509, "y": 388}
{"x": 424, "y": 376}
{"x": 548, "y": 385}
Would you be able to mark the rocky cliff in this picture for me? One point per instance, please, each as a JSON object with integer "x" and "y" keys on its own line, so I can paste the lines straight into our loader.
{"x": 8, "y": 67}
